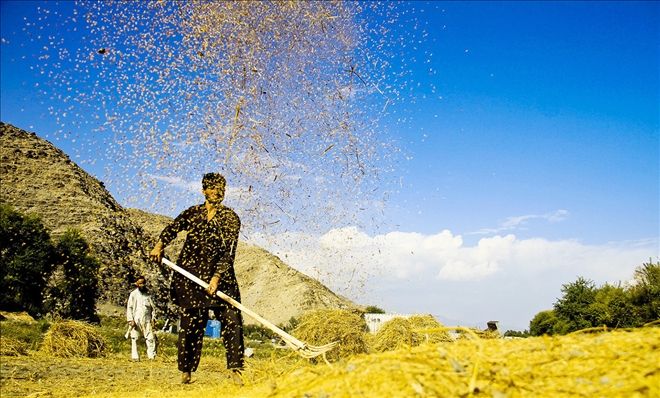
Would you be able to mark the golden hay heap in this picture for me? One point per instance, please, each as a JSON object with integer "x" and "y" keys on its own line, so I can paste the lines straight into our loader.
{"x": 327, "y": 325}
{"x": 429, "y": 329}
{"x": 395, "y": 333}
{"x": 471, "y": 333}
{"x": 10, "y": 346}
{"x": 73, "y": 339}
{"x": 611, "y": 364}
{"x": 16, "y": 316}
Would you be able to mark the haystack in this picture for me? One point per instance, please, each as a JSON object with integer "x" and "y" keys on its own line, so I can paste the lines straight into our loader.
{"x": 16, "y": 316}
{"x": 611, "y": 364}
{"x": 10, "y": 346}
{"x": 471, "y": 333}
{"x": 73, "y": 339}
{"x": 489, "y": 334}
{"x": 429, "y": 329}
{"x": 395, "y": 333}
{"x": 327, "y": 325}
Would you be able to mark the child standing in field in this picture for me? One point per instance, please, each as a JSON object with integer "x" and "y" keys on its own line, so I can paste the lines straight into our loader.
{"x": 140, "y": 314}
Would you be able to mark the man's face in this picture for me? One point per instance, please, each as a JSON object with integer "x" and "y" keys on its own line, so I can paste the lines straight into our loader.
{"x": 141, "y": 284}
{"x": 214, "y": 194}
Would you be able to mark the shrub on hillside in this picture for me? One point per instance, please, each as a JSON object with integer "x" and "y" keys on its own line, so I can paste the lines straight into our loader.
{"x": 26, "y": 261}
{"x": 73, "y": 286}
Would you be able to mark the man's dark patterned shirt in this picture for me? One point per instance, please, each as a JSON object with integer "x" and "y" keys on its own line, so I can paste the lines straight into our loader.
{"x": 209, "y": 250}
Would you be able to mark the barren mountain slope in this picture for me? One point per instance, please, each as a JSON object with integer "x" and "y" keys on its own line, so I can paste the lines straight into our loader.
{"x": 38, "y": 178}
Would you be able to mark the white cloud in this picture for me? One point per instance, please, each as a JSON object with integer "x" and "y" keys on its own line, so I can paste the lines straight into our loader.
{"x": 400, "y": 253}
{"x": 195, "y": 186}
{"x": 178, "y": 182}
{"x": 520, "y": 222}
{"x": 499, "y": 276}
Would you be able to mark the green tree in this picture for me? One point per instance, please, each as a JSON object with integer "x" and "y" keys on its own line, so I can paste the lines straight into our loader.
{"x": 613, "y": 307}
{"x": 26, "y": 254}
{"x": 292, "y": 324}
{"x": 574, "y": 307}
{"x": 372, "y": 309}
{"x": 561, "y": 326}
{"x": 258, "y": 332}
{"x": 516, "y": 333}
{"x": 73, "y": 287}
{"x": 645, "y": 293}
{"x": 543, "y": 323}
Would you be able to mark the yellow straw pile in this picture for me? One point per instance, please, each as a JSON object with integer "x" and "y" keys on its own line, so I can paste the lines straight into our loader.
{"x": 608, "y": 364}
{"x": 10, "y": 346}
{"x": 429, "y": 329}
{"x": 327, "y": 325}
{"x": 621, "y": 363}
{"x": 395, "y": 333}
{"x": 73, "y": 339}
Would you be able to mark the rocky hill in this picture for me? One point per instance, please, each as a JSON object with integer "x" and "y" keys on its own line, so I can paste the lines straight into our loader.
{"x": 38, "y": 178}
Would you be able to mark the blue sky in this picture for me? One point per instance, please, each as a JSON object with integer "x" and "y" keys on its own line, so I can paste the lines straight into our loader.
{"x": 530, "y": 134}
{"x": 544, "y": 106}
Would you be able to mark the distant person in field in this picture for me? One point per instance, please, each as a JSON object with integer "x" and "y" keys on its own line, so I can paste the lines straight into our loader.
{"x": 208, "y": 253}
{"x": 140, "y": 315}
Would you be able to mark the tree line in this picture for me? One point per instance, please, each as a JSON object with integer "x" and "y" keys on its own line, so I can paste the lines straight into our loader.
{"x": 42, "y": 274}
{"x": 584, "y": 305}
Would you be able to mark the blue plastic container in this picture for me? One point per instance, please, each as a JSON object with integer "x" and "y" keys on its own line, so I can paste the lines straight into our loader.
{"x": 212, "y": 329}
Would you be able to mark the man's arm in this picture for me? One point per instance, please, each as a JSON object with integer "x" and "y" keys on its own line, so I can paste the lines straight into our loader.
{"x": 130, "y": 309}
{"x": 181, "y": 223}
{"x": 156, "y": 254}
{"x": 231, "y": 225}
{"x": 153, "y": 310}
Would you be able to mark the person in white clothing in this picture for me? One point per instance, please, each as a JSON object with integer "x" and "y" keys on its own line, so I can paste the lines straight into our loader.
{"x": 140, "y": 311}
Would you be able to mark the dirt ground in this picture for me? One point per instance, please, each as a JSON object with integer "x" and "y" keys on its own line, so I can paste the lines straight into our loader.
{"x": 38, "y": 375}
{"x": 604, "y": 364}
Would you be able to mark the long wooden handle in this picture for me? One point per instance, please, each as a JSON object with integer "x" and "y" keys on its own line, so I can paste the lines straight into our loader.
{"x": 287, "y": 337}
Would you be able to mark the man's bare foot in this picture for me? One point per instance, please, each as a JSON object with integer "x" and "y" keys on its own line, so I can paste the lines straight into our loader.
{"x": 185, "y": 377}
{"x": 236, "y": 377}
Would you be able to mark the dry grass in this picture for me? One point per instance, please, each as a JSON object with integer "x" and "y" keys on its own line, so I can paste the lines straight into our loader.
{"x": 612, "y": 364}
{"x": 325, "y": 326}
{"x": 620, "y": 363}
{"x": 10, "y": 346}
{"x": 16, "y": 316}
{"x": 395, "y": 333}
{"x": 430, "y": 330}
{"x": 73, "y": 339}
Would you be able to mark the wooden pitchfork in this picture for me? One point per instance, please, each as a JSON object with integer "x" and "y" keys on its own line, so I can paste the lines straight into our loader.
{"x": 303, "y": 349}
